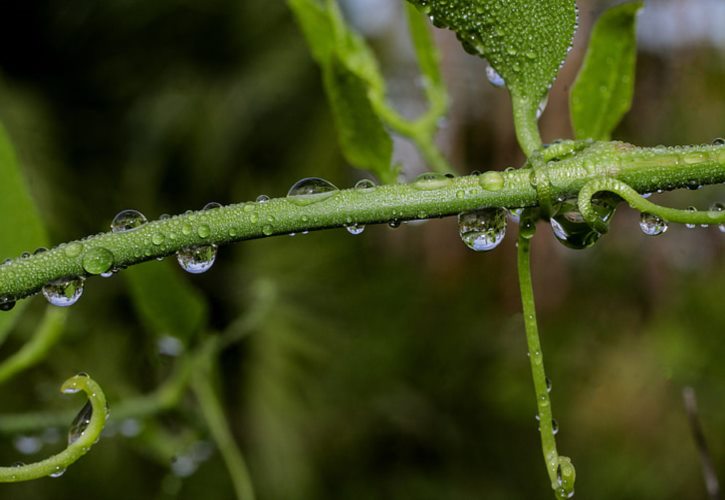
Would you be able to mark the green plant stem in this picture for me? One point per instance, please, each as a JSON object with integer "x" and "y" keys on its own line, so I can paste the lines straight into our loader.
{"x": 213, "y": 412}
{"x": 58, "y": 463}
{"x": 643, "y": 169}
{"x": 46, "y": 336}
{"x": 525, "y": 123}
{"x": 536, "y": 358}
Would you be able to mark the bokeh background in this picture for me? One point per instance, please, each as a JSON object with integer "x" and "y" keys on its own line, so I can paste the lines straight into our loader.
{"x": 391, "y": 365}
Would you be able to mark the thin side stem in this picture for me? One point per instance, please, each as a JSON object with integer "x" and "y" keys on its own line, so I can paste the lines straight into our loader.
{"x": 708, "y": 469}
{"x": 526, "y": 124}
{"x": 213, "y": 412}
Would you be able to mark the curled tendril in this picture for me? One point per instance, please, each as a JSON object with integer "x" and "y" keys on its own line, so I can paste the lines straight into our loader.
{"x": 565, "y": 477}
{"x": 56, "y": 465}
{"x": 636, "y": 201}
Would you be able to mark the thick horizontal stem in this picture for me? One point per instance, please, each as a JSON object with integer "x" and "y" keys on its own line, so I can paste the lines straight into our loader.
{"x": 643, "y": 169}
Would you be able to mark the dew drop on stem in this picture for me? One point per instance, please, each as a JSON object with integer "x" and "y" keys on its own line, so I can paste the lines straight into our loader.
{"x": 197, "y": 259}
{"x": 431, "y": 180}
{"x": 64, "y": 292}
{"x": 126, "y": 220}
{"x": 311, "y": 190}
{"x": 262, "y": 198}
{"x": 482, "y": 230}
{"x": 355, "y": 229}
{"x": 97, "y": 260}
{"x": 570, "y": 228}
{"x": 364, "y": 184}
{"x": 652, "y": 225}
{"x": 59, "y": 471}
{"x": 80, "y": 423}
{"x": 688, "y": 225}
{"x": 718, "y": 207}
{"x": 6, "y": 303}
{"x": 494, "y": 78}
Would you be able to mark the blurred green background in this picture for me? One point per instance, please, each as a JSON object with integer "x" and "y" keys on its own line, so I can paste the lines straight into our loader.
{"x": 390, "y": 365}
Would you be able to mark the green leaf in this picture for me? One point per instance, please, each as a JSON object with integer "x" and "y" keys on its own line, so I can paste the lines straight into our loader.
{"x": 602, "y": 93}
{"x": 525, "y": 41}
{"x": 362, "y": 137}
{"x": 425, "y": 49}
{"x": 21, "y": 228}
{"x": 317, "y": 28}
{"x": 166, "y": 303}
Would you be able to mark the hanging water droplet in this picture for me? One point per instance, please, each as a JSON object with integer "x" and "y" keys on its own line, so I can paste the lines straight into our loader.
{"x": 554, "y": 426}
{"x": 126, "y": 220}
{"x": 491, "y": 181}
{"x": 64, "y": 292}
{"x": 570, "y": 228}
{"x": 431, "y": 180}
{"x": 59, "y": 471}
{"x": 652, "y": 225}
{"x": 482, "y": 230}
{"x": 80, "y": 423}
{"x": 542, "y": 106}
{"x": 394, "y": 224}
{"x": 262, "y": 198}
{"x": 548, "y": 384}
{"x": 97, "y": 260}
{"x": 108, "y": 273}
{"x": 364, "y": 184}
{"x": 355, "y": 229}
{"x": 494, "y": 78}
{"x": 691, "y": 226}
{"x": 6, "y": 303}
{"x": 311, "y": 190}
{"x": 197, "y": 259}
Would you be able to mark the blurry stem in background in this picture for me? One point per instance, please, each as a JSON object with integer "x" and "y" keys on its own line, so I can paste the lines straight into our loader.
{"x": 560, "y": 469}
{"x": 213, "y": 412}
{"x": 45, "y": 337}
{"x": 87, "y": 437}
{"x": 642, "y": 169}
{"x": 708, "y": 469}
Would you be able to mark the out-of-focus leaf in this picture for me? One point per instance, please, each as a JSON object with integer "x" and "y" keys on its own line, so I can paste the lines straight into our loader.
{"x": 602, "y": 93}
{"x": 425, "y": 49}
{"x": 21, "y": 228}
{"x": 351, "y": 75}
{"x": 362, "y": 137}
{"x": 525, "y": 41}
{"x": 167, "y": 304}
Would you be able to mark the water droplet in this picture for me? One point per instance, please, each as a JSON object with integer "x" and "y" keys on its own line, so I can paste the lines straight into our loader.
{"x": 126, "y": 220}
{"x": 691, "y": 226}
{"x": 718, "y": 141}
{"x": 548, "y": 384}
{"x": 718, "y": 207}
{"x": 491, "y": 181}
{"x": 40, "y": 250}
{"x": 651, "y": 224}
{"x": 197, "y": 259}
{"x": 311, "y": 190}
{"x": 482, "y": 230}
{"x": 542, "y": 106}
{"x": 212, "y": 205}
{"x": 394, "y": 224}
{"x": 364, "y": 184}
{"x": 262, "y": 198}
{"x": 6, "y": 303}
{"x": 431, "y": 180}
{"x": 73, "y": 249}
{"x": 64, "y": 292}
{"x": 59, "y": 471}
{"x": 97, "y": 260}
{"x": 267, "y": 230}
{"x": 569, "y": 226}
{"x": 355, "y": 229}
{"x": 554, "y": 426}
{"x": 157, "y": 238}
{"x": 203, "y": 231}
{"x": 80, "y": 423}
{"x": 108, "y": 273}
{"x": 494, "y": 78}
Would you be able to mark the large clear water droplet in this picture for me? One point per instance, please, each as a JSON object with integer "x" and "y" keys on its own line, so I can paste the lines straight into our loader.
{"x": 126, "y": 220}
{"x": 6, "y": 303}
{"x": 482, "y": 230}
{"x": 64, "y": 292}
{"x": 570, "y": 228}
{"x": 311, "y": 190}
{"x": 652, "y": 225}
{"x": 494, "y": 78}
{"x": 197, "y": 259}
{"x": 97, "y": 260}
{"x": 431, "y": 180}
{"x": 80, "y": 423}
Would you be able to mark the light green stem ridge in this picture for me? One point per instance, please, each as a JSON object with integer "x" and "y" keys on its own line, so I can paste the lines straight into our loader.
{"x": 46, "y": 336}
{"x": 213, "y": 412}
{"x": 560, "y": 470}
{"x": 643, "y": 169}
{"x": 58, "y": 463}
{"x": 636, "y": 201}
